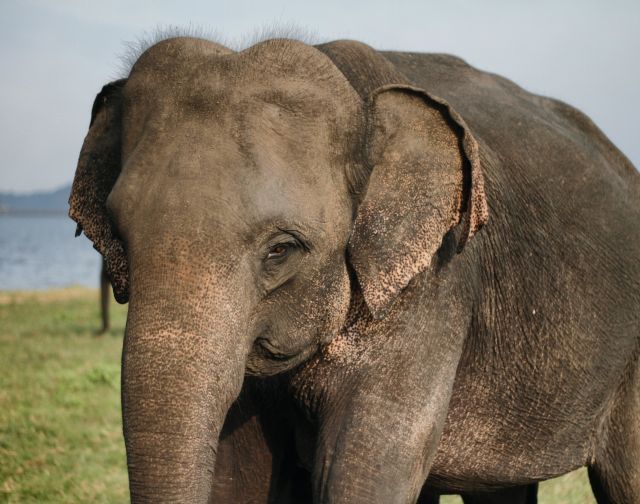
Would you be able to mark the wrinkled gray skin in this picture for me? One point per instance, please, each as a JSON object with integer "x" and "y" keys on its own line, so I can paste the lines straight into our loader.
{"x": 311, "y": 218}
{"x": 258, "y": 457}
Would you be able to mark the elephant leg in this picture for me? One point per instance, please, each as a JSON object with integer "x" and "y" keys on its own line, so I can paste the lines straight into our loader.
{"x": 244, "y": 463}
{"x": 256, "y": 461}
{"x": 377, "y": 455}
{"x": 105, "y": 293}
{"x": 378, "y": 432}
{"x": 615, "y": 471}
{"x": 243, "y": 467}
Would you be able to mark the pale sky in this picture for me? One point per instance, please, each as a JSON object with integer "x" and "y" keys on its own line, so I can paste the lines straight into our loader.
{"x": 56, "y": 55}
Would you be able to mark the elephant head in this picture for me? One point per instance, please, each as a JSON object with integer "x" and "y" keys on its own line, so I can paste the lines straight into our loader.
{"x": 239, "y": 199}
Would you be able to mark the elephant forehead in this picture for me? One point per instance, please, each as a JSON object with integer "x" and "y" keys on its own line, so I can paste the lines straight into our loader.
{"x": 230, "y": 98}
{"x": 189, "y": 71}
{"x": 274, "y": 161}
{"x": 256, "y": 163}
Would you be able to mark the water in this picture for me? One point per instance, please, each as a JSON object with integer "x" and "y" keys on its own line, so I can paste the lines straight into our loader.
{"x": 40, "y": 252}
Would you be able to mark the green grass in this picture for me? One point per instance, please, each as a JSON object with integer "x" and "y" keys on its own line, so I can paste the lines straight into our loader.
{"x": 60, "y": 429}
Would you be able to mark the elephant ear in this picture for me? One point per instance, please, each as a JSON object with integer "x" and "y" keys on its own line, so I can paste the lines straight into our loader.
{"x": 98, "y": 168}
{"x": 426, "y": 179}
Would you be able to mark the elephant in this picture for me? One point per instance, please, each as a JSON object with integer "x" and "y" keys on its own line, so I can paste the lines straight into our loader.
{"x": 392, "y": 268}
{"x": 104, "y": 300}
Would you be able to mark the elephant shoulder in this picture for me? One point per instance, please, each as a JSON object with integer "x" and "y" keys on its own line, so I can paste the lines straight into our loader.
{"x": 579, "y": 122}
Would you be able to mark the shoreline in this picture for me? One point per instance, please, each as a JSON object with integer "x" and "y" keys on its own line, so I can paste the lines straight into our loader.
{"x": 47, "y": 295}
{"x": 34, "y": 213}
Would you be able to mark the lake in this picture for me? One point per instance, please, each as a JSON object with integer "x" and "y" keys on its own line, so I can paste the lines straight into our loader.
{"x": 40, "y": 252}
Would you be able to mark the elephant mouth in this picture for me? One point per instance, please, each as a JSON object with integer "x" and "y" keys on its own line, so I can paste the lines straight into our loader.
{"x": 267, "y": 359}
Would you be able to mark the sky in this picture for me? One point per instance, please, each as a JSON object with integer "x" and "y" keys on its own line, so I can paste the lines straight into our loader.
{"x": 56, "y": 55}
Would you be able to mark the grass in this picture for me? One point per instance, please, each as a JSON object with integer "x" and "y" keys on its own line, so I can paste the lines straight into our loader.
{"x": 60, "y": 428}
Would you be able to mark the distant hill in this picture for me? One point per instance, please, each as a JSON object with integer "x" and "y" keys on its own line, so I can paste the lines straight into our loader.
{"x": 37, "y": 202}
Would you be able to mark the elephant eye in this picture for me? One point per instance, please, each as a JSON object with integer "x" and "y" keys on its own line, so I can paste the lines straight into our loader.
{"x": 288, "y": 244}
{"x": 280, "y": 251}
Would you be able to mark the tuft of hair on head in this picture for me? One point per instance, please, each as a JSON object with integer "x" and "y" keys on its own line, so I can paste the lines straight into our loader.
{"x": 277, "y": 30}
{"x": 134, "y": 49}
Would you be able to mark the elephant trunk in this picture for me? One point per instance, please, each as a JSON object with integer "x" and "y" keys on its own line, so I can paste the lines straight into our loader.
{"x": 182, "y": 367}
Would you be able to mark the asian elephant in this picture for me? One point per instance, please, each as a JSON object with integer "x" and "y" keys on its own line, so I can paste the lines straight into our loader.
{"x": 411, "y": 269}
